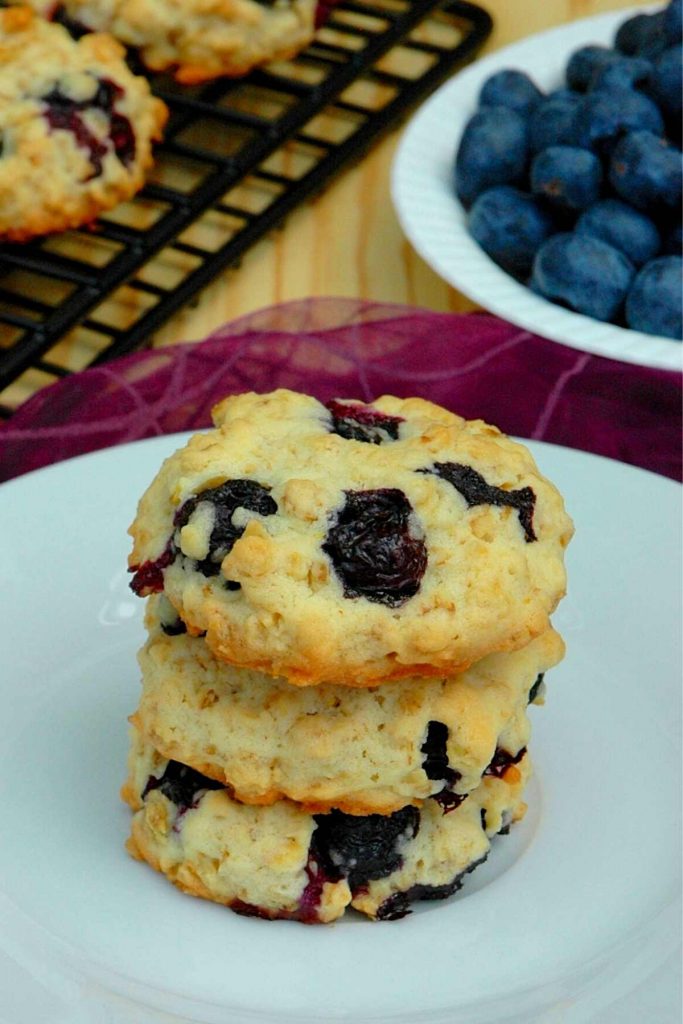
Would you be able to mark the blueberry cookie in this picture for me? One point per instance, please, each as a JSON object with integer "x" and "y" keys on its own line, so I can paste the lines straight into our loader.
{"x": 352, "y": 543}
{"x": 195, "y": 39}
{"x": 76, "y": 126}
{"x": 282, "y": 862}
{"x": 363, "y": 751}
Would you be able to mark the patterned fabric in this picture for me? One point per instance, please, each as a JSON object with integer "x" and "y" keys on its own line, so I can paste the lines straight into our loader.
{"x": 475, "y": 365}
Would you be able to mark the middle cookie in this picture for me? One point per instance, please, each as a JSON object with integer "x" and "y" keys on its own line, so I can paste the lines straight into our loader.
{"x": 370, "y": 750}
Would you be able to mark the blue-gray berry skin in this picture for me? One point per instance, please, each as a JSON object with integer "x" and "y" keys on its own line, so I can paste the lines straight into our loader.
{"x": 583, "y": 274}
{"x": 647, "y": 172}
{"x": 604, "y": 115}
{"x": 566, "y": 177}
{"x": 673, "y": 22}
{"x": 493, "y": 151}
{"x": 654, "y": 303}
{"x": 552, "y": 121}
{"x": 672, "y": 242}
{"x": 643, "y": 35}
{"x": 622, "y": 227}
{"x": 510, "y": 225}
{"x": 624, "y": 73}
{"x": 585, "y": 63}
{"x": 666, "y": 85}
{"x": 510, "y": 88}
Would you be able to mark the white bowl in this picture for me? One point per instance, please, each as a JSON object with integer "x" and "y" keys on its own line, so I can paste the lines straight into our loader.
{"x": 432, "y": 217}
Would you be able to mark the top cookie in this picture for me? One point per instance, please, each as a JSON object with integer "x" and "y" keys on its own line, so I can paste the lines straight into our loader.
{"x": 196, "y": 40}
{"x": 352, "y": 543}
{"x": 76, "y": 126}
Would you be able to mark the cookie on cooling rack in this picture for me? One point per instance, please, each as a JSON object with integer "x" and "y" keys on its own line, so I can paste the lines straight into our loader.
{"x": 282, "y": 862}
{"x": 76, "y": 126}
{"x": 363, "y": 751}
{"x": 352, "y": 543}
{"x": 196, "y": 40}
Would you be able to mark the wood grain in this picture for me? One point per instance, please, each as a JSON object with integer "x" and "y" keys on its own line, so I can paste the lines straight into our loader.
{"x": 347, "y": 242}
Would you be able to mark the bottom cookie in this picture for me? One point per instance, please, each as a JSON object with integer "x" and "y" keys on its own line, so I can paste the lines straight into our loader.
{"x": 280, "y": 861}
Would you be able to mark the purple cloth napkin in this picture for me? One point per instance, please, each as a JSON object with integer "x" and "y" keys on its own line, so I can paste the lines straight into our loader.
{"x": 476, "y": 365}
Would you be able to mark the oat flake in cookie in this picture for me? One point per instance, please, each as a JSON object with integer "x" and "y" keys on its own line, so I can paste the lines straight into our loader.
{"x": 76, "y": 126}
{"x": 282, "y": 862}
{"x": 196, "y": 40}
{"x": 361, "y": 750}
{"x": 352, "y": 543}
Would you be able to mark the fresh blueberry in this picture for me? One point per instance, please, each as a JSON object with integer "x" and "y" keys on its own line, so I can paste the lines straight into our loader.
{"x": 643, "y": 35}
{"x": 584, "y": 64}
{"x": 509, "y": 225}
{"x": 647, "y": 172}
{"x": 622, "y": 227}
{"x": 673, "y": 240}
{"x": 510, "y": 88}
{"x": 552, "y": 122}
{"x": 566, "y": 177}
{"x": 373, "y": 547}
{"x": 667, "y": 81}
{"x": 624, "y": 73}
{"x": 493, "y": 151}
{"x": 607, "y": 114}
{"x": 673, "y": 22}
{"x": 654, "y": 304}
{"x": 582, "y": 273}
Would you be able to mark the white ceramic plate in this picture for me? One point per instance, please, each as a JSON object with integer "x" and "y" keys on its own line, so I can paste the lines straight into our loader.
{"x": 435, "y": 222}
{"x": 573, "y": 909}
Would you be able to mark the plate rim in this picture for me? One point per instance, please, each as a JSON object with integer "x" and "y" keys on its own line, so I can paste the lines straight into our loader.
{"x": 168, "y": 440}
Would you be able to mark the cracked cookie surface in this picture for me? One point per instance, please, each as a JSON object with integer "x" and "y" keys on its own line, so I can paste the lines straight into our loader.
{"x": 414, "y": 549}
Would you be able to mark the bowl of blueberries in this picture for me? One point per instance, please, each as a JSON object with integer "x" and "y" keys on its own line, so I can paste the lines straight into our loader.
{"x": 544, "y": 182}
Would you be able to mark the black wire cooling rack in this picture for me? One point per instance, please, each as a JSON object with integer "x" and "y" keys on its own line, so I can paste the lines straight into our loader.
{"x": 238, "y": 156}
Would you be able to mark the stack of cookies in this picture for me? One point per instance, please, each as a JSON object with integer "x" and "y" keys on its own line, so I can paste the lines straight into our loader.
{"x": 348, "y": 616}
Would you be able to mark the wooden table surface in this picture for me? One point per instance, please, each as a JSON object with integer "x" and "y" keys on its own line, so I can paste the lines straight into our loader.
{"x": 347, "y": 242}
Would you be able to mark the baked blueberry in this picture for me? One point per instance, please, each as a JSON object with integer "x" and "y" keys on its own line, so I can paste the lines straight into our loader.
{"x": 365, "y": 848}
{"x": 223, "y": 501}
{"x": 358, "y": 422}
{"x": 476, "y": 491}
{"x": 180, "y": 784}
{"x": 653, "y": 304}
{"x": 376, "y": 547}
{"x": 493, "y": 150}
{"x": 398, "y": 905}
{"x": 566, "y": 177}
{"x": 510, "y": 225}
{"x": 502, "y": 760}
{"x": 582, "y": 273}
{"x": 623, "y": 227}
